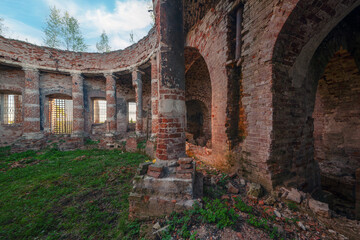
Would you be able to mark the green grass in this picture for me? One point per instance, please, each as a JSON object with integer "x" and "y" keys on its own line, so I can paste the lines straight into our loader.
{"x": 80, "y": 194}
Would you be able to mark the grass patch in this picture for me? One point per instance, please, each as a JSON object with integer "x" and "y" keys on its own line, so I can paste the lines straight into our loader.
{"x": 80, "y": 194}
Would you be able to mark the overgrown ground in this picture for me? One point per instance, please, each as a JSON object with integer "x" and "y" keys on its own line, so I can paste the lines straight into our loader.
{"x": 83, "y": 194}
{"x": 80, "y": 194}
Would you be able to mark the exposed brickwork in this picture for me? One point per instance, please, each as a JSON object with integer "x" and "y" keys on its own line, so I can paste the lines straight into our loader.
{"x": 171, "y": 136}
{"x": 111, "y": 103}
{"x": 154, "y": 96}
{"x": 31, "y": 102}
{"x": 337, "y": 129}
{"x": 259, "y": 105}
{"x": 138, "y": 85}
{"x": 198, "y": 90}
{"x": 78, "y": 104}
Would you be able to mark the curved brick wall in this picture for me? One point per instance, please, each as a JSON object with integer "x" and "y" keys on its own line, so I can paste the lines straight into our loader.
{"x": 270, "y": 116}
{"x": 22, "y": 53}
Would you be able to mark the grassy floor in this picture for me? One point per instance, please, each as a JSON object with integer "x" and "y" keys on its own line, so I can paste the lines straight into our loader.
{"x": 66, "y": 195}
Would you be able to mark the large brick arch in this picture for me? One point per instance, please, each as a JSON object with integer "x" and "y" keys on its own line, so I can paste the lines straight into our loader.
{"x": 292, "y": 149}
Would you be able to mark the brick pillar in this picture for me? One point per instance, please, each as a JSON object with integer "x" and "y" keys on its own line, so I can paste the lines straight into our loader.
{"x": 78, "y": 104}
{"x": 137, "y": 83}
{"x": 154, "y": 97}
{"x": 169, "y": 25}
{"x": 110, "y": 104}
{"x": 357, "y": 194}
{"x": 31, "y": 104}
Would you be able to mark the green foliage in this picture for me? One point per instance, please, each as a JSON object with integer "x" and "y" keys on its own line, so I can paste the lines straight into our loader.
{"x": 264, "y": 224}
{"x": 54, "y": 195}
{"x": 141, "y": 145}
{"x": 4, "y": 151}
{"x": 73, "y": 38}
{"x": 292, "y": 206}
{"x": 223, "y": 180}
{"x": 63, "y": 32}
{"x": 103, "y": 45}
{"x": 53, "y": 29}
{"x": 91, "y": 142}
{"x": 131, "y": 40}
{"x": 242, "y": 206}
{"x": 216, "y": 211}
{"x": 2, "y": 28}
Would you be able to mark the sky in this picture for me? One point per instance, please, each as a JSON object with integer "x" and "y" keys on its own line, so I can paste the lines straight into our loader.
{"x": 26, "y": 19}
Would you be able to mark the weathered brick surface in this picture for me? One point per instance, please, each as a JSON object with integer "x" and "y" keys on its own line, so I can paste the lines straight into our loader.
{"x": 259, "y": 108}
{"x": 78, "y": 104}
{"x": 31, "y": 101}
{"x": 111, "y": 103}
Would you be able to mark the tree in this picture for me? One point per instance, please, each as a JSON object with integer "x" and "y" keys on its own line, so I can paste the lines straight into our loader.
{"x": 73, "y": 38}
{"x": 103, "y": 45}
{"x": 1, "y": 26}
{"x": 132, "y": 37}
{"x": 54, "y": 24}
{"x": 63, "y": 32}
{"x": 151, "y": 12}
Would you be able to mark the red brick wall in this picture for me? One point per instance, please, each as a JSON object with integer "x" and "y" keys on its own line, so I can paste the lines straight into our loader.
{"x": 279, "y": 38}
{"x": 337, "y": 125}
{"x": 42, "y": 57}
{"x": 198, "y": 87}
{"x": 209, "y": 37}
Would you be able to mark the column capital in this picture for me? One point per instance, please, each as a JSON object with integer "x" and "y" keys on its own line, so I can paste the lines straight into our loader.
{"x": 30, "y": 69}
{"x": 109, "y": 74}
{"x": 136, "y": 76}
{"x": 76, "y": 74}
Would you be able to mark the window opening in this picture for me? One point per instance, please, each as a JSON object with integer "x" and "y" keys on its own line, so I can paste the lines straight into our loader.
{"x": 132, "y": 112}
{"x": 11, "y": 108}
{"x": 99, "y": 111}
{"x": 61, "y": 116}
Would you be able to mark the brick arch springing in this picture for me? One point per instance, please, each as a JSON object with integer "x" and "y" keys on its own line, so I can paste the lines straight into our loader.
{"x": 198, "y": 86}
{"x": 292, "y": 152}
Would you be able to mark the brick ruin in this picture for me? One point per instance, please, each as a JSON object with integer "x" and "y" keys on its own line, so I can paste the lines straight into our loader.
{"x": 269, "y": 89}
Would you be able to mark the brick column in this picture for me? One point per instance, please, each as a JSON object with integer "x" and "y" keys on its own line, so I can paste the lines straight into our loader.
{"x": 31, "y": 104}
{"x": 154, "y": 97}
{"x": 137, "y": 83}
{"x": 357, "y": 194}
{"x": 169, "y": 25}
{"x": 78, "y": 104}
{"x": 110, "y": 104}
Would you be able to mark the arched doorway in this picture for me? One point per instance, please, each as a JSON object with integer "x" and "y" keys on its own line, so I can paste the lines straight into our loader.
{"x": 198, "y": 99}
{"x": 337, "y": 131}
{"x": 314, "y": 99}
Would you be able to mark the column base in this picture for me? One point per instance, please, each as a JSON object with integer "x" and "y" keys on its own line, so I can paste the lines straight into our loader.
{"x": 35, "y": 136}
{"x": 164, "y": 187}
{"x": 78, "y": 135}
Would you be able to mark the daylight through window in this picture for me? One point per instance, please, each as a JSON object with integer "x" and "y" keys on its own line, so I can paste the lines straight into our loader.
{"x": 132, "y": 112}
{"x": 99, "y": 111}
{"x": 61, "y": 116}
{"x": 10, "y": 111}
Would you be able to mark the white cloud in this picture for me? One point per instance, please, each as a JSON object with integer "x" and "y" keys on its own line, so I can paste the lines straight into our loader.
{"x": 127, "y": 16}
{"x": 21, "y": 31}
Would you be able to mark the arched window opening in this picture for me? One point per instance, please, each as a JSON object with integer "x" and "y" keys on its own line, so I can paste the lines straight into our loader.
{"x": 132, "y": 112}
{"x": 61, "y": 116}
{"x": 10, "y": 108}
{"x": 99, "y": 111}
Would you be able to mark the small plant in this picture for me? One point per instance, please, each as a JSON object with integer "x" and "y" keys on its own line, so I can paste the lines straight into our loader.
{"x": 242, "y": 206}
{"x": 292, "y": 206}
{"x": 91, "y": 142}
{"x": 223, "y": 180}
{"x": 141, "y": 145}
{"x": 216, "y": 211}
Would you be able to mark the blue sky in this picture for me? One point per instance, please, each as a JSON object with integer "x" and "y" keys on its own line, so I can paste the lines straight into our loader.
{"x": 25, "y": 19}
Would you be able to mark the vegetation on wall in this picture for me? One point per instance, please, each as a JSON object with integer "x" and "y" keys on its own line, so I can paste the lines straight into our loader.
{"x": 63, "y": 31}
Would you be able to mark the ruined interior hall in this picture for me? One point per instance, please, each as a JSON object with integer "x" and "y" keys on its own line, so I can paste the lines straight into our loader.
{"x": 268, "y": 89}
